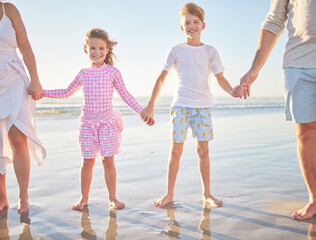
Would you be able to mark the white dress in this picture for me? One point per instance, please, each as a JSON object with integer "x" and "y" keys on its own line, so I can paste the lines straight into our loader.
{"x": 16, "y": 106}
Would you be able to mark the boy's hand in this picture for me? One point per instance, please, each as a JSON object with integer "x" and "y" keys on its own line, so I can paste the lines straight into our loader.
{"x": 235, "y": 92}
{"x": 147, "y": 115}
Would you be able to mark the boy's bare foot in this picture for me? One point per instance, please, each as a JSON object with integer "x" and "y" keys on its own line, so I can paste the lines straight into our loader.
{"x": 305, "y": 213}
{"x": 163, "y": 201}
{"x": 3, "y": 204}
{"x": 23, "y": 206}
{"x": 212, "y": 201}
{"x": 116, "y": 204}
{"x": 80, "y": 205}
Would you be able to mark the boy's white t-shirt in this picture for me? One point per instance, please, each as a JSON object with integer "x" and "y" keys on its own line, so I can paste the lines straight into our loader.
{"x": 193, "y": 66}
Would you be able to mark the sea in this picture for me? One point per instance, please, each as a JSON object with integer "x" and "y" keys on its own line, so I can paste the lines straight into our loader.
{"x": 71, "y": 107}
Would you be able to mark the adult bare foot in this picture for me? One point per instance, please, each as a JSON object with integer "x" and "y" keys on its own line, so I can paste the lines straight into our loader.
{"x": 305, "y": 213}
{"x": 80, "y": 205}
{"x": 116, "y": 204}
{"x": 212, "y": 201}
{"x": 163, "y": 201}
{"x": 23, "y": 206}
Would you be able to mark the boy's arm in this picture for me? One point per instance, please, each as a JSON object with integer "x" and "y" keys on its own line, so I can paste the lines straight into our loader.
{"x": 224, "y": 84}
{"x": 148, "y": 112}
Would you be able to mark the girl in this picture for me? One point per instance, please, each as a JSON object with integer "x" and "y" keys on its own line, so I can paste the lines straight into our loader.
{"x": 17, "y": 127}
{"x": 100, "y": 126}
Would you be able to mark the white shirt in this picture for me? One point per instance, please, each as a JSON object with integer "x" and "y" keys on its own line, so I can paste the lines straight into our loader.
{"x": 194, "y": 66}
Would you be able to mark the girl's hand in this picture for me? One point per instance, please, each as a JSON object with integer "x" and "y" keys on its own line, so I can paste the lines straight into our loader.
{"x": 35, "y": 90}
{"x": 235, "y": 92}
{"x": 147, "y": 115}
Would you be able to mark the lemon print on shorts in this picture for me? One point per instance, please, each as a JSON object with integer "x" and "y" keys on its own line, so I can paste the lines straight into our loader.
{"x": 181, "y": 120}
{"x": 182, "y": 131}
{"x": 181, "y": 110}
{"x": 206, "y": 125}
{"x": 174, "y": 132}
{"x": 204, "y": 134}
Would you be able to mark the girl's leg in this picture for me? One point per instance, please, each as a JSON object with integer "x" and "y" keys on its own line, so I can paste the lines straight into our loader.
{"x": 3, "y": 194}
{"x": 21, "y": 164}
{"x": 85, "y": 177}
{"x": 204, "y": 168}
{"x": 173, "y": 167}
{"x": 110, "y": 180}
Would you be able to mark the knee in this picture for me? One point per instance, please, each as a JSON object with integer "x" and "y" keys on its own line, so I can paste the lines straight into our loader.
{"x": 175, "y": 154}
{"x": 203, "y": 153}
{"x": 108, "y": 163}
{"x": 18, "y": 142}
{"x": 306, "y": 131}
{"x": 88, "y": 163}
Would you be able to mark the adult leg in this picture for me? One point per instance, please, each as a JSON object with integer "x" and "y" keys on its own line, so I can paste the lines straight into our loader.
{"x": 110, "y": 180}
{"x": 21, "y": 164}
{"x": 85, "y": 178}
{"x": 3, "y": 195}
{"x": 173, "y": 168}
{"x": 306, "y": 152}
{"x": 204, "y": 168}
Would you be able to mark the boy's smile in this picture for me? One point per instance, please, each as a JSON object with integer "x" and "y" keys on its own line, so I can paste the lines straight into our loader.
{"x": 192, "y": 27}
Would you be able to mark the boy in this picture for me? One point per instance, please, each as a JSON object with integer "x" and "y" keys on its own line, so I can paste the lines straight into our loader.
{"x": 193, "y": 62}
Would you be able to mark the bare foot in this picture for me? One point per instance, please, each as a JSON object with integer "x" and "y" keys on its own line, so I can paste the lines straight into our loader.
{"x": 163, "y": 201}
{"x": 116, "y": 204}
{"x": 305, "y": 213}
{"x": 23, "y": 206}
{"x": 212, "y": 201}
{"x": 3, "y": 205}
{"x": 80, "y": 205}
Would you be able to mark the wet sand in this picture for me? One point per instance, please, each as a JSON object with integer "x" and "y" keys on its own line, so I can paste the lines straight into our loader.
{"x": 254, "y": 170}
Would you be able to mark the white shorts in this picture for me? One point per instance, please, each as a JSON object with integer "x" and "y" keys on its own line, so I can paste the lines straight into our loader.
{"x": 300, "y": 94}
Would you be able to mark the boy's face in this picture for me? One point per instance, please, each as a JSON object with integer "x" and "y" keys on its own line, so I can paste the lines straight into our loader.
{"x": 97, "y": 51}
{"x": 192, "y": 26}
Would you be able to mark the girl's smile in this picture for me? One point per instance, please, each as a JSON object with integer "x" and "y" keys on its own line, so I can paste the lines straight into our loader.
{"x": 97, "y": 51}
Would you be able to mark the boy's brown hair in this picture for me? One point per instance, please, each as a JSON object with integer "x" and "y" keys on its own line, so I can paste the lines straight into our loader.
{"x": 193, "y": 9}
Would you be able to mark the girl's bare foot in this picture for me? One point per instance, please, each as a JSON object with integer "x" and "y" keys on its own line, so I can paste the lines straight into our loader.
{"x": 305, "y": 213}
{"x": 23, "y": 206}
{"x": 116, "y": 204}
{"x": 80, "y": 205}
{"x": 163, "y": 201}
{"x": 212, "y": 201}
{"x": 3, "y": 204}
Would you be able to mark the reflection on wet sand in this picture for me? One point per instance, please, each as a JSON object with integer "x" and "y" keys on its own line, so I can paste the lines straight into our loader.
{"x": 174, "y": 226}
{"x": 88, "y": 233}
{"x": 24, "y": 219}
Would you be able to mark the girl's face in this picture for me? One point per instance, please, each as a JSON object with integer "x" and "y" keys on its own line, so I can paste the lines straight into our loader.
{"x": 192, "y": 26}
{"x": 97, "y": 51}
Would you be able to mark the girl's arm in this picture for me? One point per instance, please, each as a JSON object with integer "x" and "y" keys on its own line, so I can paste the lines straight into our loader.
{"x": 148, "y": 112}
{"x": 69, "y": 91}
{"x": 125, "y": 95}
{"x": 224, "y": 84}
{"x": 25, "y": 48}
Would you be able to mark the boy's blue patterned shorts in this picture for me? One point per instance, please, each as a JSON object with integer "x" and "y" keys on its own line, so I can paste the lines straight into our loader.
{"x": 198, "y": 119}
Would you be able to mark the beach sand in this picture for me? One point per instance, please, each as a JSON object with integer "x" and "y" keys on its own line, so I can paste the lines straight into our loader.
{"x": 254, "y": 170}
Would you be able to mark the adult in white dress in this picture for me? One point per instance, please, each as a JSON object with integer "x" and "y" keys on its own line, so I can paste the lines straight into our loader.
{"x": 17, "y": 108}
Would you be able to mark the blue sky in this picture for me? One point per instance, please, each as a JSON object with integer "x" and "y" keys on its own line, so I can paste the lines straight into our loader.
{"x": 145, "y": 30}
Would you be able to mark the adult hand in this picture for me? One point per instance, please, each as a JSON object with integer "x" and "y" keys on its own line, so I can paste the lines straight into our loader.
{"x": 245, "y": 83}
{"x": 35, "y": 90}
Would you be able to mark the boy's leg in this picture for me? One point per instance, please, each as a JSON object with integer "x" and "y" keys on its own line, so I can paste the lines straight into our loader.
{"x": 21, "y": 164}
{"x": 204, "y": 168}
{"x": 3, "y": 194}
{"x": 110, "y": 180}
{"x": 85, "y": 178}
{"x": 173, "y": 167}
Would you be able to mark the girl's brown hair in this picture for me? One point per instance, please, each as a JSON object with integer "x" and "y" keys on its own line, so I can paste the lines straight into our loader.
{"x": 99, "y": 33}
{"x": 193, "y": 9}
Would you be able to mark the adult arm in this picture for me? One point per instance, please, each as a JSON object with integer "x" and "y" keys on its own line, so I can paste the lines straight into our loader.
{"x": 272, "y": 28}
{"x": 25, "y": 48}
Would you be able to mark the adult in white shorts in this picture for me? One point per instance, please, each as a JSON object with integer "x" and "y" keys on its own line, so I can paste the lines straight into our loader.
{"x": 299, "y": 65}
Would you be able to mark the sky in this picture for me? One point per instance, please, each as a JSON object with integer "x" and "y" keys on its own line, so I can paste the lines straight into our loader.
{"x": 145, "y": 31}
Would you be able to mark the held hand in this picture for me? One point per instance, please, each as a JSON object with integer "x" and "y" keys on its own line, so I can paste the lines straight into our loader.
{"x": 36, "y": 90}
{"x": 245, "y": 83}
{"x": 235, "y": 92}
{"x": 151, "y": 121}
{"x": 147, "y": 114}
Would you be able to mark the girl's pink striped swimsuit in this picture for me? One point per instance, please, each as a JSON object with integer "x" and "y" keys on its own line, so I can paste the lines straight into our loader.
{"x": 100, "y": 126}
